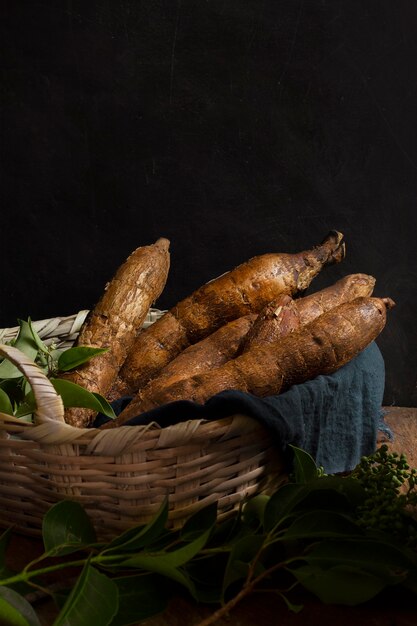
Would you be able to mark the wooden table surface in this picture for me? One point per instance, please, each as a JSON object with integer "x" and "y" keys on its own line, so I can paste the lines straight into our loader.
{"x": 393, "y": 609}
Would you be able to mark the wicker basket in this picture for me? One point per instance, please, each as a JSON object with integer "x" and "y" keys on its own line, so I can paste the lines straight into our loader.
{"x": 122, "y": 475}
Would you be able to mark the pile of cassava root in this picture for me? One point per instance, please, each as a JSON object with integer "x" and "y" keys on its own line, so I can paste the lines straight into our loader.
{"x": 250, "y": 329}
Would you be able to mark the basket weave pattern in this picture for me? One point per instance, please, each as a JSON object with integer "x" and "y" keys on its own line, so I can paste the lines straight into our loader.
{"x": 122, "y": 475}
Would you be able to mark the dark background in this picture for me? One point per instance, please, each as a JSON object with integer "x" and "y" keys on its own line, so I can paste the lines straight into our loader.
{"x": 233, "y": 128}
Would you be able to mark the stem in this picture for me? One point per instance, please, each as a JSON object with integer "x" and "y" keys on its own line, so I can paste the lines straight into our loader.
{"x": 245, "y": 591}
{"x": 40, "y": 592}
{"x": 26, "y": 575}
{"x": 40, "y": 558}
{"x": 207, "y": 551}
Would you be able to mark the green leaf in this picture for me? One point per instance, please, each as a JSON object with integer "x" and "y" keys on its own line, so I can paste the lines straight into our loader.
{"x": 173, "y": 558}
{"x": 378, "y": 557}
{"x": 13, "y": 387}
{"x": 315, "y": 524}
{"x": 242, "y": 553}
{"x": 352, "y": 571}
{"x": 159, "y": 566}
{"x": 105, "y": 406}
{"x": 317, "y": 497}
{"x": 227, "y": 532}
{"x": 5, "y": 404}
{"x": 295, "y": 608}
{"x": 169, "y": 563}
{"x": 74, "y": 395}
{"x": 281, "y": 503}
{"x": 341, "y": 584}
{"x": 207, "y": 572}
{"x": 331, "y": 492}
{"x": 25, "y": 341}
{"x": 93, "y": 600}
{"x": 73, "y": 357}
{"x": 26, "y": 344}
{"x": 201, "y": 521}
{"x": 67, "y": 528}
{"x": 142, "y": 536}
{"x": 140, "y": 596}
{"x": 27, "y": 406}
{"x": 305, "y": 468}
{"x": 42, "y": 347}
{"x": 349, "y": 487}
{"x": 407, "y": 553}
{"x": 15, "y": 610}
{"x": 254, "y": 510}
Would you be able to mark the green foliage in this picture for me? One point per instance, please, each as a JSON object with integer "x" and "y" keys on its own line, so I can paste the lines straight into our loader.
{"x": 140, "y": 536}
{"x": 15, "y": 610}
{"x": 16, "y": 397}
{"x": 73, "y": 357}
{"x": 93, "y": 600}
{"x": 311, "y": 532}
{"x": 5, "y": 404}
{"x": 67, "y": 528}
{"x": 26, "y": 343}
{"x": 305, "y": 469}
{"x": 390, "y": 486}
{"x": 74, "y": 395}
{"x": 140, "y": 596}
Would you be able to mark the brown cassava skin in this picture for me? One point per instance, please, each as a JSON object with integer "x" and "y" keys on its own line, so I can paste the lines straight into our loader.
{"x": 225, "y": 343}
{"x": 285, "y": 315}
{"x": 277, "y": 319}
{"x": 348, "y": 288}
{"x": 114, "y": 321}
{"x": 321, "y": 347}
{"x": 243, "y": 290}
{"x": 213, "y": 351}
{"x": 207, "y": 354}
{"x": 148, "y": 344}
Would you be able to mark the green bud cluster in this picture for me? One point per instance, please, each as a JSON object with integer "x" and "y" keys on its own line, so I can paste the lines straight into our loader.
{"x": 391, "y": 495}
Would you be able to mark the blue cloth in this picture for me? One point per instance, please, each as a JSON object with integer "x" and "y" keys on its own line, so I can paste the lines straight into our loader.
{"x": 334, "y": 417}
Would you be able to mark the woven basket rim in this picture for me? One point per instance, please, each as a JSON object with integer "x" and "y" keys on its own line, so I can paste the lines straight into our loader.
{"x": 68, "y": 325}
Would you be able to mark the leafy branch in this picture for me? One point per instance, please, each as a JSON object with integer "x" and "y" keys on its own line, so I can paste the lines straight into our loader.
{"x": 312, "y": 532}
{"x": 16, "y": 397}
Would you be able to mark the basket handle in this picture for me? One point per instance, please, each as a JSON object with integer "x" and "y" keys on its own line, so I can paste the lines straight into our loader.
{"x": 49, "y": 405}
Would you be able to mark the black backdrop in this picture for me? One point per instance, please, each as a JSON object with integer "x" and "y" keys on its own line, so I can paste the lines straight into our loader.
{"x": 230, "y": 127}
